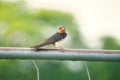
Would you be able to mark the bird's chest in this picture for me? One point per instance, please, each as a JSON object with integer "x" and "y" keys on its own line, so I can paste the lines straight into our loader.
{"x": 58, "y": 43}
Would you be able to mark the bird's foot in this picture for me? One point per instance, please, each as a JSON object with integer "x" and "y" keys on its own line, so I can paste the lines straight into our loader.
{"x": 35, "y": 49}
{"x": 62, "y": 49}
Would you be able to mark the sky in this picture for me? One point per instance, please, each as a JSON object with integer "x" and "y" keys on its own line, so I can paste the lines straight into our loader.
{"x": 96, "y": 18}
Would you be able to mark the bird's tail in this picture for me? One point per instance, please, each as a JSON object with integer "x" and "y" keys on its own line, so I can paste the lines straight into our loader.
{"x": 39, "y": 45}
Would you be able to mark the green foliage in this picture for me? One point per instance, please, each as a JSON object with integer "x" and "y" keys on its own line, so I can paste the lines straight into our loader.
{"x": 106, "y": 70}
{"x": 110, "y": 43}
{"x": 54, "y": 17}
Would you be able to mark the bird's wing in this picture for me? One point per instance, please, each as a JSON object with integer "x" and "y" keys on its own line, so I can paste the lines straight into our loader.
{"x": 56, "y": 37}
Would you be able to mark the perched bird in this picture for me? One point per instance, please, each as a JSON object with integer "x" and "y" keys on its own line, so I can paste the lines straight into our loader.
{"x": 54, "y": 39}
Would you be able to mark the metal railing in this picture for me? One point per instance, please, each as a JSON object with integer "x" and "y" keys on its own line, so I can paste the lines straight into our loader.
{"x": 60, "y": 54}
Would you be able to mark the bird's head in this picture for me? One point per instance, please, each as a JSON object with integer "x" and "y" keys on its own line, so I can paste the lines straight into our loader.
{"x": 61, "y": 29}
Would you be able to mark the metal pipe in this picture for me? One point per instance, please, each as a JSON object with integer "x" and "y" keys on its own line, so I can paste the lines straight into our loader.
{"x": 60, "y": 54}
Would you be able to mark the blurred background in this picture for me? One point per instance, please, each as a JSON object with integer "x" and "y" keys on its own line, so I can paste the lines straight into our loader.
{"x": 89, "y": 24}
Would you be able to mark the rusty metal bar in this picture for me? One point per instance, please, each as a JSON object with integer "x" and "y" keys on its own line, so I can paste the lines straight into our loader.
{"x": 60, "y": 54}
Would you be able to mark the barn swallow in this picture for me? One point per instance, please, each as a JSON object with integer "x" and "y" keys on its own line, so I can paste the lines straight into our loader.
{"x": 54, "y": 39}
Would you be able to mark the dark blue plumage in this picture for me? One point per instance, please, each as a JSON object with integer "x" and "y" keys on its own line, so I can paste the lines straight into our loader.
{"x": 60, "y": 35}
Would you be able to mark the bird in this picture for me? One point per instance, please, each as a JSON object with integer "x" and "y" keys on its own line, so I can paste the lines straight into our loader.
{"x": 55, "y": 39}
